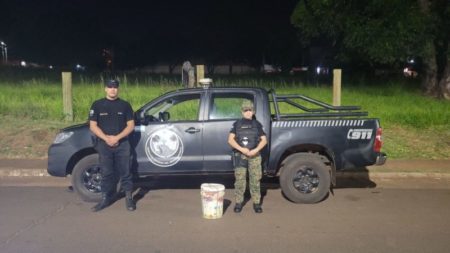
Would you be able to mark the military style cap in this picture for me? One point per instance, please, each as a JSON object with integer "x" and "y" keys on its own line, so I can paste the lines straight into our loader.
{"x": 112, "y": 83}
{"x": 247, "y": 104}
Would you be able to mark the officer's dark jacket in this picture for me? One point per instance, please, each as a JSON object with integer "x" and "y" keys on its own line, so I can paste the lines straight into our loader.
{"x": 111, "y": 115}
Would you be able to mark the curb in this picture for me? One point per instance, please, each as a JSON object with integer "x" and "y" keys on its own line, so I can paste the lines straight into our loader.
{"x": 29, "y": 172}
{"x": 435, "y": 169}
{"x": 382, "y": 175}
{"x": 13, "y": 172}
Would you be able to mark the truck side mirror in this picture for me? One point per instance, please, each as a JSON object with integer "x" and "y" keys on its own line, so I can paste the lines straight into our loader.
{"x": 164, "y": 116}
{"x": 139, "y": 118}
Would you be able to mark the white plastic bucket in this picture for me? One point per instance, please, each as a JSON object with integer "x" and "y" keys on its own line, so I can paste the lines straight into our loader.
{"x": 212, "y": 200}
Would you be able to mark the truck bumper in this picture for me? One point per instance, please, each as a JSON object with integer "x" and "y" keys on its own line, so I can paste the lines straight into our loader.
{"x": 381, "y": 159}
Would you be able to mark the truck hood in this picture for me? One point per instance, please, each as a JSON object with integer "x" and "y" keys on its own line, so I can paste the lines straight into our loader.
{"x": 75, "y": 127}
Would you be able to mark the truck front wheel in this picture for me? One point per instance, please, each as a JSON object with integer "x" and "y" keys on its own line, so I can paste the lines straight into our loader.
{"x": 305, "y": 178}
{"x": 86, "y": 178}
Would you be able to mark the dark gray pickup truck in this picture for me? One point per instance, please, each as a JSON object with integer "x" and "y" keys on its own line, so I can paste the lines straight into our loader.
{"x": 184, "y": 132}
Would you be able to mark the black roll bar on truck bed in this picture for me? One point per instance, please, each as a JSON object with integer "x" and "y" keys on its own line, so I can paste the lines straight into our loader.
{"x": 325, "y": 110}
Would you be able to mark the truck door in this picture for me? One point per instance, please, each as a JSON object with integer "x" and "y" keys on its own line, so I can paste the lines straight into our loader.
{"x": 170, "y": 138}
{"x": 224, "y": 109}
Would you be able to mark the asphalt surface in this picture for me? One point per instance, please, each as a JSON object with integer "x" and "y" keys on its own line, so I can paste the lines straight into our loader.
{"x": 50, "y": 219}
{"x": 402, "y": 206}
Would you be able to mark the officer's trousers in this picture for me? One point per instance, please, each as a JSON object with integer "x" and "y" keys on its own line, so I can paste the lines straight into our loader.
{"x": 255, "y": 174}
{"x": 115, "y": 163}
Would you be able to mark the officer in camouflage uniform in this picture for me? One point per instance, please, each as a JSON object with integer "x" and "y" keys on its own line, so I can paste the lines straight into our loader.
{"x": 247, "y": 139}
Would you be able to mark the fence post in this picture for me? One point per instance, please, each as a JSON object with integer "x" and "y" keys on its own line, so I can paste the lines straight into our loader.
{"x": 191, "y": 78}
{"x": 67, "y": 95}
{"x": 200, "y": 73}
{"x": 337, "y": 87}
{"x": 185, "y": 68}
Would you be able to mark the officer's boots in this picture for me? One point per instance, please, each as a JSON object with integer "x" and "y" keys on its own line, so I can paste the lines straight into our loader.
{"x": 257, "y": 208}
{"x": 105, "y": 202}
{"x": 129, "y": 202}
{"x": 238, "y": 208}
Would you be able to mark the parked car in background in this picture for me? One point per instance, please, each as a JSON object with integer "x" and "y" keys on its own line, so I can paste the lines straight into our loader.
{"x": 297, "y": 69}
{"x": 270, "y": 69}
{"x": 411, "y": 68}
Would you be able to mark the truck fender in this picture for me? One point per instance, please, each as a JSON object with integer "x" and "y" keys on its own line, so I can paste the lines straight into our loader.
{"x": 77, "y": 157}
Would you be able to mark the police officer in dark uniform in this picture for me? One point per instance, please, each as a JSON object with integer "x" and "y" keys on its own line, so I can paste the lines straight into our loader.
{"x": 247, "y": 138}
{"x": 111, "y": 120}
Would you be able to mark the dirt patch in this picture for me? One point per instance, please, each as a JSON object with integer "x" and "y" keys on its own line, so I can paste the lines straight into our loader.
{"x": 25, "y": 138}
{"x": 41, "y": 135}
{"x": 26, "y": 143}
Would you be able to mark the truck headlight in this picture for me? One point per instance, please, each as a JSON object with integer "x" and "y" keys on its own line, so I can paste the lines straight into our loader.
{"x": 62, "y": 137}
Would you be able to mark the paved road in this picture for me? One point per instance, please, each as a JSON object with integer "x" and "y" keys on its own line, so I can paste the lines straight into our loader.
{"x": 384, "y": 215}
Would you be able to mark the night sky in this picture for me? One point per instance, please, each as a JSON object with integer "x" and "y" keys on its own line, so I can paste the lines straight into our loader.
{"x": 64, "y": 32}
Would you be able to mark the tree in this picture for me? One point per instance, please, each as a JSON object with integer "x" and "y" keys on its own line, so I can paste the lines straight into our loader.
{"x": 383, "y": 32}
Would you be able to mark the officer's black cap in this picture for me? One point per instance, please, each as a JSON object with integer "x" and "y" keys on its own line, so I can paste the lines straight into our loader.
{"x": 112, "y": 83}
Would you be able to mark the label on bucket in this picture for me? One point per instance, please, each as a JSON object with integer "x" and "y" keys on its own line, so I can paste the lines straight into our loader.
{"x": 212, "y": 200}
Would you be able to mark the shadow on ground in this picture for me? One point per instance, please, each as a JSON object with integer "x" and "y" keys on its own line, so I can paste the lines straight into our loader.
{"x": 145, "y": 185}
{"x": 356, "y": 178}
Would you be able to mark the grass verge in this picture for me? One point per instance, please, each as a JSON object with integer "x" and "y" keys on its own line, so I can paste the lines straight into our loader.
{"x": 415, "y": 127}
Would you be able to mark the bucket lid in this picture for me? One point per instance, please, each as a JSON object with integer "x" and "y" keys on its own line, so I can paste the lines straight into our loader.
{"x": 212, "y": 187}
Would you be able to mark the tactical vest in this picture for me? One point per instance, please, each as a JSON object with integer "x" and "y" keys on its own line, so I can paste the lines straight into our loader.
{"x": 247, "y": 134}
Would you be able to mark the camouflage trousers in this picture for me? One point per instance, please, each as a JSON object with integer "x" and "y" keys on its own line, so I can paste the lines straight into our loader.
{"x": 255, "y": 174}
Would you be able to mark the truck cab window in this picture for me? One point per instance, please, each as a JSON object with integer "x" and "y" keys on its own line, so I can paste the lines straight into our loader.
{"x": 227, "y": 106}
{"x": 173, "y": 109}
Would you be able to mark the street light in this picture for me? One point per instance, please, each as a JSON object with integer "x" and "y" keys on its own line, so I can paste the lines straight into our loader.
{"x": 4, "y": 51}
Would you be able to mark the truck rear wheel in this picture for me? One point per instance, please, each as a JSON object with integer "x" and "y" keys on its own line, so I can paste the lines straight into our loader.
{"x": 86, "y": 178}
{"x": 305, "y": 178}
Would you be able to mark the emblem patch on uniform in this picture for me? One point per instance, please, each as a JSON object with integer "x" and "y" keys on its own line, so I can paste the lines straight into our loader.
{"x": 245, "y": 141}
{"x": 91, "y": 113}
{"x": 164, "y": 148}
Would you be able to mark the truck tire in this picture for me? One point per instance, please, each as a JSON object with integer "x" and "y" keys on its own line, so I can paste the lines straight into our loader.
{"x": 86, "y": 178}
{"x": 305, "y": 178}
